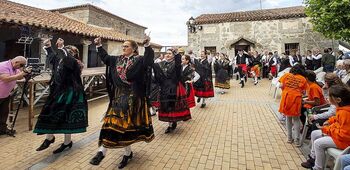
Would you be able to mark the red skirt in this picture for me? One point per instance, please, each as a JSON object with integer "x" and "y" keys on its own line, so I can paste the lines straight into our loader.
{"x": 155, "y": 104}
{"x": 190, "y": 99}
{"x": 244, "y": 67}
{"x": 273, "y": 70}
{"x": 205, "y": 92}
{"x": 181, "y": 111}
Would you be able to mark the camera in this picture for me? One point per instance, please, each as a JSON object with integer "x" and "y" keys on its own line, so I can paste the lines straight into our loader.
{"x": 36, "y": 66}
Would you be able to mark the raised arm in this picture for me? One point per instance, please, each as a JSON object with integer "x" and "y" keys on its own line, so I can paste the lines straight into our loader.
{"x": 102, "y": 53}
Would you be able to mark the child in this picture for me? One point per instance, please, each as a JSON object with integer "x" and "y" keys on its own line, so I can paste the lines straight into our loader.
{"x": 314, "y": 93}
{"x": 293, "y": 86}
{"x": 335, "y": 132}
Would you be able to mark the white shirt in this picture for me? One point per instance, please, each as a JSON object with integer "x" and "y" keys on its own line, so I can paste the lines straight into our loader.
{"x": 317, "y": 57}
{"x": 291, "y": 60}
{"x": 196, "y": 75}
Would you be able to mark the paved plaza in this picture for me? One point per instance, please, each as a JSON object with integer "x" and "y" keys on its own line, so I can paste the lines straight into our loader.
{"x": 237, "y": 130}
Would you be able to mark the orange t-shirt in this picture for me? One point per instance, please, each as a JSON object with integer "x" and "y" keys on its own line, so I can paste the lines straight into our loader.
{"x": 314, "y": 92}
{"x": 339, "y": 127}
{"x": 293, "y": 87}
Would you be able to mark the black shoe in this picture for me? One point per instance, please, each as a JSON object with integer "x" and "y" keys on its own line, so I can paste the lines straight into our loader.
{"x": 125, "y": 160}
{"x": 309, "y": 163}
{"x": 198, "y": 100}
{"x": 174, "y": 125}
{"x": 45, "y": 144}
{"x": 169, "y": 129}
{"x": 242, "y": 84}
{"x": 63, "y": 147}
{"x": 7, "y": 132}
{"x": 97, "y": 158}
{"x": 255, "y": 83}
{"x": 203, "y": 105}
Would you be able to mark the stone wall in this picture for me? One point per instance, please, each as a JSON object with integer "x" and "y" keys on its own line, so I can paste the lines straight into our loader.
{"x": 270, "y": 35}
{"x": 79, "y": 15}
{"x": 100, "y": 19}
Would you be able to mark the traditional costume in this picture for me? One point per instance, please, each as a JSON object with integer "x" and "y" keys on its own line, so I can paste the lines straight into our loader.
{"x": 65, "y": 110}
{"x": 188, "y": 74}
{"x": 273, "y": 66}
{"x": 173, "y": 97}
{"x": 241, "y": 63}
{"x": 255, "y": 64}
{"x": 222, "y": 69}
{"x": 127, "y": 118}
{"x": 204, "y": 86}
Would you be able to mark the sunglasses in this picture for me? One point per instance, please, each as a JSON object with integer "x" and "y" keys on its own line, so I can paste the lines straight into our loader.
{"x": 22, "y": 65}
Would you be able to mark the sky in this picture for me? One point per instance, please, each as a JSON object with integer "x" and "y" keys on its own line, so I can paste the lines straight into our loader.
{"x": 166, "y": 19}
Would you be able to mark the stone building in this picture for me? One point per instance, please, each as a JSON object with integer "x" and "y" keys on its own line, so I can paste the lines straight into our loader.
{"x": 76, "y": 25}
{"x": 279, "y": 30}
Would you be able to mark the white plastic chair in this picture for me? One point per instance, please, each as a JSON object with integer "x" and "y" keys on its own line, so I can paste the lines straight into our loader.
{"x": 320, "y": 77}
{"x": 275, "y": 83}
{"x": 319, "y": 70}
{"x": 335, "y": 153}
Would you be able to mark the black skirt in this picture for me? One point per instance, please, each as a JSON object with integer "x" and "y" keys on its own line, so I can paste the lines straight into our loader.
{"x": 65, "y": 112}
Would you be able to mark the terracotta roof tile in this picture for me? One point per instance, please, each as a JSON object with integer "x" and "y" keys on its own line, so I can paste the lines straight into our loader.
{"x": 256, "y": 15}
{"x": 12, "y": 12}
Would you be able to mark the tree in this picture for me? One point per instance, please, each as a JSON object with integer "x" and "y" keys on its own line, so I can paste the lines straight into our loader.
{"x": 330, "y": 17}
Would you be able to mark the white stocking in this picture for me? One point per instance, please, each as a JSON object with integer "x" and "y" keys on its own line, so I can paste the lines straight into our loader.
{"x": 67, "y": 139}
{"x": 103, "y": 150}
{"x": 127, "y": 151}
{"x": 49, "y": 136}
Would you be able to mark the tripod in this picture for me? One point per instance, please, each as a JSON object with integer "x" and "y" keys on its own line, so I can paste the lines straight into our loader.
{"x": 25, "y": 86}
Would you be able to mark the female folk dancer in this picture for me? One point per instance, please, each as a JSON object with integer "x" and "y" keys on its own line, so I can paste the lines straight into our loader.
{"x": 222, "y": 69}
{"x": 173, "y": 99}
{"x": 127, "y": 119}
{"x": 66, "y": 110}
{"x": 204, "y": 86}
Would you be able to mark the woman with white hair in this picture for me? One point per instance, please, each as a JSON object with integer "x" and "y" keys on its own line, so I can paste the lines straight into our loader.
{"x": 346, "y": 77}
{"x": 339, "y": 69}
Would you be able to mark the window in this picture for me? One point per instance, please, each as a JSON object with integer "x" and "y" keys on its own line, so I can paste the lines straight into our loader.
{"x": 290, "y": 46}
{"x": 210, "y": 49}
{"x": 127, "y": 31}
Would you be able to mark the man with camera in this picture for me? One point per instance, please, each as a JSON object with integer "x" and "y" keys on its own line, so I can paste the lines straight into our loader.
{"x": 9, "y": 73}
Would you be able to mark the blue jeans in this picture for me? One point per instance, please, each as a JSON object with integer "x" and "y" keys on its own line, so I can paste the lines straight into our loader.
{"x": 328, "y": 68}
{"x": 345, "y": 162}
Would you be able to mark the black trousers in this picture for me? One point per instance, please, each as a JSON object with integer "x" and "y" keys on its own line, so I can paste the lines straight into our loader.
{"x": 4, "y": 112}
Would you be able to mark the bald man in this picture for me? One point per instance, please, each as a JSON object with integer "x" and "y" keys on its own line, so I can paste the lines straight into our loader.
{"x": 9, "y": 73}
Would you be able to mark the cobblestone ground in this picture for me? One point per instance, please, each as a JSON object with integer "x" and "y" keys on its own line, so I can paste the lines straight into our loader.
{"x": 237, "y": 130}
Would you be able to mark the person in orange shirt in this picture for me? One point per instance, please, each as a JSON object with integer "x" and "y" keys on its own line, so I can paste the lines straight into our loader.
{"x": 314, "y": 93}
{"x": 293, "y": 86}
{"x": 335, "y": 132}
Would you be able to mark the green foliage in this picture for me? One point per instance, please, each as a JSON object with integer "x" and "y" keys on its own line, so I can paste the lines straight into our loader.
{"x": 330, "y": 17}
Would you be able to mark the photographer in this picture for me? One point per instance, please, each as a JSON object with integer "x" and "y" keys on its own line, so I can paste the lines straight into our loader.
{"x": 9, "y": 73}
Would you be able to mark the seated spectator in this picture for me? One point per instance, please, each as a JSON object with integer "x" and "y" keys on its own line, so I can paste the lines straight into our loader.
{"x": 340, "y": 69}
{"x": 345, "y": 162}
{"x": 331, "y": 79}
{"x": 335, "y": 132}
{"x": 314, "y": 93}
{"x": 293, "y": 85}
{"x": 346, "y": 78}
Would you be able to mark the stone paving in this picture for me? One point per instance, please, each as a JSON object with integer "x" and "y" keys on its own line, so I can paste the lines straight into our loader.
{"x": 237, "y": 130}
